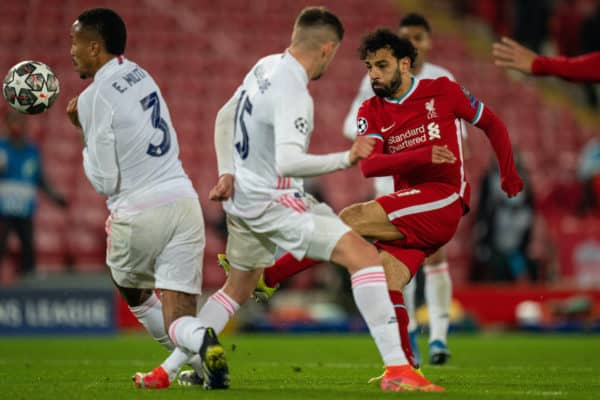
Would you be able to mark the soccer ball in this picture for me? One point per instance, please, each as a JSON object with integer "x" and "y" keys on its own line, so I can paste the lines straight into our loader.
{"x": 30, "y": 87}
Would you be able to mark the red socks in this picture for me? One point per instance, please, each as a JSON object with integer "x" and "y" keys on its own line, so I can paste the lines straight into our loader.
{"x": 402, "y": 317}
{"x": 285, "y": 267}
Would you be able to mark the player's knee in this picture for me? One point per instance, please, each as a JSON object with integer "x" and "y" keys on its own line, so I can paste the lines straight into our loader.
{"x": 353, "y": 216}
{"x": 354, "y": 253}
{"x": 134, "y": 297}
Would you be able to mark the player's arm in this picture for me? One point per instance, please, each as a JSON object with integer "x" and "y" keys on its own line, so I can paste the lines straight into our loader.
{"x": 292, "y": 122}
{"x": 382, "y": 164}
{"x": 364, "y": 92}
{"x": 224, "y": 131}
{"x": 404, "y": 163}
{"x": 585, "y": 68}
{"x": 511, "y": 54}
{"x": 470, "y": 109}
{"x": 99, "y": 154}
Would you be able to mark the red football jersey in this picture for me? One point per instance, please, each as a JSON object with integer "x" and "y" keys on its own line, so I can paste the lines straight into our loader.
{"x": 428, "y": 114}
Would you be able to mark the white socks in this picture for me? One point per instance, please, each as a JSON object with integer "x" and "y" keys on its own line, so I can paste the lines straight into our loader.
{"x": 188, "y": 332}
{"x": 409, "y": 301}
{"x": 217, "y": 310}
{"x": 438, "y": 295}
{"x": 373, "y": 301}
{"x": 150, "y": 315}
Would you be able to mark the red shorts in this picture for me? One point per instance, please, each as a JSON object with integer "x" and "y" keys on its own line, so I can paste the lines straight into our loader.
{"x": 427, "y": 215}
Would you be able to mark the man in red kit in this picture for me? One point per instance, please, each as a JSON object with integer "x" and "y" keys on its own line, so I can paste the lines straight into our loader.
{"x": 584, "y": 68}
{"x": 416, "y": 124}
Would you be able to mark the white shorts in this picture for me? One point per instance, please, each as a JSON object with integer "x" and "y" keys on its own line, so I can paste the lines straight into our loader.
{"x": 295, "y": 222}
{"x": 158, "y": 248}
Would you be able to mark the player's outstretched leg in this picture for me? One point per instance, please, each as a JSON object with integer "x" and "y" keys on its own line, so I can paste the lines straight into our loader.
{"x": 262, "y": 292}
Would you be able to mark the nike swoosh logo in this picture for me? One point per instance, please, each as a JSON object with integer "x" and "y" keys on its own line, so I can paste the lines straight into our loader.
{"x": 387, "y": 128}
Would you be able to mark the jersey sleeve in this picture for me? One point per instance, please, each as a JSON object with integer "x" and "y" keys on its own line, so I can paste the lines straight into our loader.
{"x": 367, "y": 124}
{"x": 364, "y": 92}
{"x": 293, "y": 119}
{"x": 466, "y": 106}
{"x": 293, "y": 124}
{"x": 469, "y": 108}
{"x": 584, "y": 68}
{"x": 99, "y": 154}
{"x": 223, "y": 134}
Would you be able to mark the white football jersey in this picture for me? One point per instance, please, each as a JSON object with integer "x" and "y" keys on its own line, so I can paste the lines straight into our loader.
{"x": 273, "y": 108}
{"x": 385, "y": 184}
{"x": 131, "y": 152}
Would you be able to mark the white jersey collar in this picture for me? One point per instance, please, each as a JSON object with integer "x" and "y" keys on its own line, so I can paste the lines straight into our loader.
{"x": 108, "y": 67}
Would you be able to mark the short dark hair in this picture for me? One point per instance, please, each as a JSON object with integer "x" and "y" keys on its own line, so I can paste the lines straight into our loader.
{"x": 414, "y": 19}
{"x": 320, "y": 17}
{"x": 384, "y": 38}
{"x": 108, "y": 25}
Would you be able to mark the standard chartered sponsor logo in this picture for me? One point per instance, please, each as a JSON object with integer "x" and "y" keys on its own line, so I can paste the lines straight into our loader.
{"x": 409, "y": 138}
{"x": 413, "y": 137}
{"x": 409, "y": 133}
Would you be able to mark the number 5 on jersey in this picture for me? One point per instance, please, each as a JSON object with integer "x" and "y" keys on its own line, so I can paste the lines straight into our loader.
{"x": 153, "y": 102}
{"x": 242, "y": 146}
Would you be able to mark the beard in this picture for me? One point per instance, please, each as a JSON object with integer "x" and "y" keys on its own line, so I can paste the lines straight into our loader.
{"x": 388, "y": 90}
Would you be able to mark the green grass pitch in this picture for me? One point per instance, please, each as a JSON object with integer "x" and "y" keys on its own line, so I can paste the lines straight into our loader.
{"x": 502, "y": 366}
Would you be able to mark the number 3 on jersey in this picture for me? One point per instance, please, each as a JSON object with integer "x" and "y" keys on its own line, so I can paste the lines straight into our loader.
{"x": 242, "y": 146}
{"x": 153, "y": 102}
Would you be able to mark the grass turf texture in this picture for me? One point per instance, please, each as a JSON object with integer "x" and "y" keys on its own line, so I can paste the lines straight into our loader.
{"x": 503, "y": 366}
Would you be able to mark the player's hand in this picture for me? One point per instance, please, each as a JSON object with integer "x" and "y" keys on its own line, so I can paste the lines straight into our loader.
{"x": 441, "y": 154}
{"x": 361, "y": 149}
{"x": 223, "y": 189}
{"x": 510, "y": 54}
{"x": 72, "y": 112}
{"x": 512, "y": 186}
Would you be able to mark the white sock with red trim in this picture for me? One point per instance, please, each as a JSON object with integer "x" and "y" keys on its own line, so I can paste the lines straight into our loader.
{"x": 370, "y": 291}
{"x": 438, "y": 295}
{"x": 188, "y": 333}
{"x": 150, "y": 315}
{"x": 217, "y": 310}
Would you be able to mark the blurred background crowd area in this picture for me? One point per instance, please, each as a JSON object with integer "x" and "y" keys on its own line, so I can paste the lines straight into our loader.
{"x": 199, "y": 50}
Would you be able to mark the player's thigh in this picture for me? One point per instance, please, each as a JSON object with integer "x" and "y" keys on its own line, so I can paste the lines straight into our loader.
{"x": 246, "y": 249}
{"x": 326, "y": 232}
{"x": 179, "y": 265}
{"x": 370, "y": 220}
{"x": 354, "y": 253}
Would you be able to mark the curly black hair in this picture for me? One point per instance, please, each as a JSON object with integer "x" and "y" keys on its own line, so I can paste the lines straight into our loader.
{"x": 384, "y": 38}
